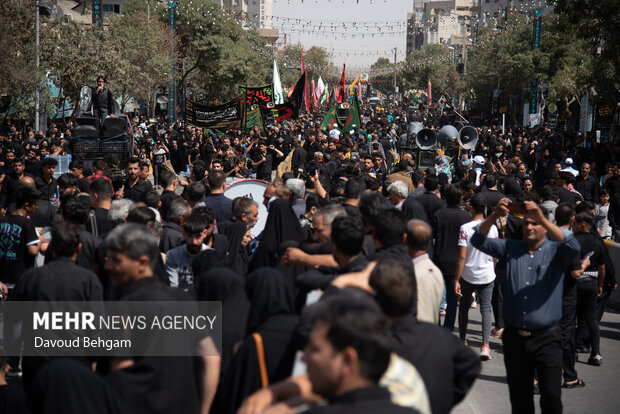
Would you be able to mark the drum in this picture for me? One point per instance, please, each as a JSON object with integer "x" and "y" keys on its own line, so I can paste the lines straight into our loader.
{"x": 253, "y": 189}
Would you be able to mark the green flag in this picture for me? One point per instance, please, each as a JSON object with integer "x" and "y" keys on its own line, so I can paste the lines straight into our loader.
{"x": 253, "y": 118}
{"x": 324, "y": 95}
{"x": 354, "y": 116}
{"x": 330, "y": 118}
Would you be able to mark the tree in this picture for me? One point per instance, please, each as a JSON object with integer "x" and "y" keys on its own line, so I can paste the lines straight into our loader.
{"x": 215, "y": 54}
{"x": 316, "y": 59}
{"x": 75, "y": 55}
{"x": 435, "y": 64}
{"x": 382, "y": 76}
{"x": 19, "y": 76}
{"x": 597, "y": 22}
{"x": 142, "y": 49}
{"x": 504, "y": 59}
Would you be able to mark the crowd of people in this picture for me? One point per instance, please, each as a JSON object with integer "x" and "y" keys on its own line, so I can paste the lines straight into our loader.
{"x": 393, "y": 246}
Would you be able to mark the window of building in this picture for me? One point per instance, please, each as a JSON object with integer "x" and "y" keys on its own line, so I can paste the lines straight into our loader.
{"x": 111, "y": 8}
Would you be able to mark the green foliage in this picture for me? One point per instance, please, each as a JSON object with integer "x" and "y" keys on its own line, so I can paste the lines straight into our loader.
{"x": 435, "y": 64}
{"x": 317, "y": 61}
{"x": 19, "y": 76}
{"x": 503, "y": 57}
{"x": 598, "y": 22}
{"x": 382, "y": 76}
{"x": 215, "y": 53}
{"x": 139, "y": 70}
{"x": 76, "y": 54}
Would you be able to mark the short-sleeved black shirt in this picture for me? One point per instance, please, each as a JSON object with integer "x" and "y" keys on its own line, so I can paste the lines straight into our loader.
{"x": 16, "y": 234}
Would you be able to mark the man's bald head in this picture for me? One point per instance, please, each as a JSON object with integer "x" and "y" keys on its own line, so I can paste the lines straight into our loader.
{"x": 26, "y": 181}
{"x": 418, "y": 235}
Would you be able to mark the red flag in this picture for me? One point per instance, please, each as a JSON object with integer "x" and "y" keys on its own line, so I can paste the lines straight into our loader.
{"x": 430, "y": 93}
{"x": 314, "y": 97}
{"x": 290, "y": 91}
{"x": 359, "y": 91}
{"x": 341, "y": 94}
{"x": 303, "y": 70}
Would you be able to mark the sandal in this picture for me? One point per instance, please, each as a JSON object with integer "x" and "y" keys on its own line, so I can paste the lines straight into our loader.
{"x": 578, "y": 384}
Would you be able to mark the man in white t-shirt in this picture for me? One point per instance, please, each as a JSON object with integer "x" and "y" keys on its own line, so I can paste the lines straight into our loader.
{"x": 335, "y": 133}
{"x": 475, "y": 272}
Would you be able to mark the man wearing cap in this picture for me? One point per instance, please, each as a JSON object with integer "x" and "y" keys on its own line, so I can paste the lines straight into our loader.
{"x": 569, "y": 167}
{"x": 335, "y": 132}
{"x": 477, "y": 166}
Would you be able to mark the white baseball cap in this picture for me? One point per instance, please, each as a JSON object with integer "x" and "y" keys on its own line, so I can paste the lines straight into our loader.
{"x": 568, "y": 161}
{"x": 479, "y": 159}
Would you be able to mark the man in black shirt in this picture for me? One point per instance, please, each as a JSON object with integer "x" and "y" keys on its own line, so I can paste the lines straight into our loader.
{"x": 447, "y": 366}
{"x": 447, "y": 222}
{"x": 429, "y": 199}
{"x": 100, "y": 200}
{"x": 103, "y": 102}
{"x": 587, "y": 184}
{"x": 263, "y": 163}
{"x": 490, "y": 192}
{"x": 168, "y": 181}
{"x": 589, "y": 284}
{"x": 59, "y": 280}
{"x": 19, "y": 242}
{"x": 132, "y": 252}
{"x": 135, "y": 188}
{"x": 347, "y": 236}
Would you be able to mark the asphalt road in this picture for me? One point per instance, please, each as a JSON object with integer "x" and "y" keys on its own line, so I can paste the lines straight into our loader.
{"x": 601, "y": 395}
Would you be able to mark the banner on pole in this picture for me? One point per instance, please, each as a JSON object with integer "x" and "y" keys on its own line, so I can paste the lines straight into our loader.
{"x": 228, "y": 115}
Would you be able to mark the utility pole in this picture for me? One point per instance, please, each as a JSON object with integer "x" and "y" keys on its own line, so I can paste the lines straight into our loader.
{"x": 395, "y": 50}
{"x": 38, "y": 93}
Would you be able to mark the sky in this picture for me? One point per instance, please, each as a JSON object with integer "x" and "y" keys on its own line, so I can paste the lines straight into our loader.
{"x": 374, "y": 14}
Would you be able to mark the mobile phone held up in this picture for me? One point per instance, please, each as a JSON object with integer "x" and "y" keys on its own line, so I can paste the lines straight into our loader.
{"x": 517, "y": 208}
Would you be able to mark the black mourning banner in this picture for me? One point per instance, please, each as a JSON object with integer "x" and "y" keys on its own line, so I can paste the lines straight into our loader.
{"x": 228, "y": 115}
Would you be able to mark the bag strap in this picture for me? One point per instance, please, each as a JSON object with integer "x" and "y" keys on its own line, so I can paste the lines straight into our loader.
{"x": 260, "y": 350}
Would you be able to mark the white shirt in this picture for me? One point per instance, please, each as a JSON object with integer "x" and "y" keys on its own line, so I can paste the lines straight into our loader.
{"x": 479, "y": 268}
{"x": 334, "y": 134}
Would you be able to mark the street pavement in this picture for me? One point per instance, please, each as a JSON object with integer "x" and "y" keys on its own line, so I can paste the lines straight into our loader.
{"x": 601, "y": 395}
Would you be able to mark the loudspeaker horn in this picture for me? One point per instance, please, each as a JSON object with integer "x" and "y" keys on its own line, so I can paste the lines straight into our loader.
{"x": 468, "y": 137}
{"x": 414, "y": 128}
{"x": 447, "y": 134}
{"x": 426, "y": 139}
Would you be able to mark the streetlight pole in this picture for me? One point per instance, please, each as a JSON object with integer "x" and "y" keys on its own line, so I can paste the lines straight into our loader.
{"x": 38, "y": 94}
{"x": 395, "y": 49}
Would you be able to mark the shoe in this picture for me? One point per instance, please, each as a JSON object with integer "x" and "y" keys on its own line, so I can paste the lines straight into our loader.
{"x": 497, "y": 333}
{"x": 578, "y": 384}
{"x": 473, "y": 305}
{"x": 596, "y": 360}
{"x": 485, "y": 353}
{"x": 582, "y": 349}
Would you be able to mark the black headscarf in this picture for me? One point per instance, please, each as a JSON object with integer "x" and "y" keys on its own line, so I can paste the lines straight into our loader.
{"x": 282, "y": 225}
{"x": 222, "y": 284}
{"x": 69, "y": 387}
{"x": 272, "y": 316}
{"x": 269, "y": 296}
{"x": 206, "y": 260}
{"x": 238, "y": 258}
